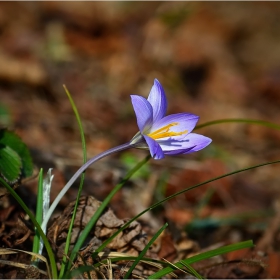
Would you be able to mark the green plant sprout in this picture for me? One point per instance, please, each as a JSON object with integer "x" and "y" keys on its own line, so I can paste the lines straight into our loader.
{"x": 159, "y": 134}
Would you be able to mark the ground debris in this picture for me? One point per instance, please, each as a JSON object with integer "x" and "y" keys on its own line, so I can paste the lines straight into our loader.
{"x": 209, "y": 58}
{"x": 18, "y": 234}
{"x": 131, "y": 241}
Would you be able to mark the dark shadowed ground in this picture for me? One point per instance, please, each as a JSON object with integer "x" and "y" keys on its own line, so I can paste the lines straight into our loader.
{"x": 217, "y": 60}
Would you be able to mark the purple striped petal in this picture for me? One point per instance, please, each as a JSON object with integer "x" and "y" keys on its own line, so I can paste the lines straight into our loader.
{"x": 158, "y": 101}
{"x": 143, "y": 111}
{"x": 186, "y": 122}
{"x": 191, "y": 143}
{"x": 154, "y": 147}
{"x": 200, "y": 142}
{"x": 173, "y": 146}
{"x": 178, "y": 152}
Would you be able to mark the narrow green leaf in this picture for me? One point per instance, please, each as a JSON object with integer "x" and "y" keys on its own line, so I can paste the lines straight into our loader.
{"x": 68, "y": 239}
{"x": 99, "y": 211}
{"x": 191, "y": 270}
{"x": 113, "y": 259}
{"x": 130, "y": 258}
{"x": 39, "y": 212}
{"x": 203, "y": 256}
{"x": 79, "y": 124}
{"x": 143, "y": 252}
{"x": 105, "y": 243}
{"x": 248, "y": 121}
{"x": 38, "y": 227}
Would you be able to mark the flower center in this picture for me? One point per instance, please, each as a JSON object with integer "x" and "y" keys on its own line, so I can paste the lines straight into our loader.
{"x": 165, "y": 132}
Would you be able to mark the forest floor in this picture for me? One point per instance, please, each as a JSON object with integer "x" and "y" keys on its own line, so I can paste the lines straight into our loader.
{"x": 216, "y": 60}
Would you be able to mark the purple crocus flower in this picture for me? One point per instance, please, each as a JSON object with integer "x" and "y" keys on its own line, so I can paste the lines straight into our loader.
{"x": 164, "y": 135}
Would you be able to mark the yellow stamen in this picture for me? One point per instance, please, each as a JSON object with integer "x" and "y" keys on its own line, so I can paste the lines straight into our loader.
{"x": 165, "y": 132}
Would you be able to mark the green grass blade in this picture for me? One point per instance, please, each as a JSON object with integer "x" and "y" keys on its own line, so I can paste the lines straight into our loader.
{"x": 130, "y": 258}
{"x": 250, "y": 121}
{"x": 38, "y": 227}
{"x": 68, "y": 239}
{"x": 99, "y": 211}
{"x": 143, "y": 252}
{"x": 209, "y": 181}
{"x": 113, "y": 259}
{"x": 104, "y": 244}
{"x": 79, "y": 124}
{"x": 39, "y": 212}
{"x": 203, "y": 256}
{"x": 191, "y": 270}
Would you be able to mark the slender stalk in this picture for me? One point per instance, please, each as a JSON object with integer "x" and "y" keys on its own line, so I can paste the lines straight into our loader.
{"x": 99, "y": 211}
{"x": 144, "y": 251}
{"x": 68, "y": 239}
{"x": 78, "y": 173}
{"x": 106, "y": 242}
{"x": 258, "y": 122}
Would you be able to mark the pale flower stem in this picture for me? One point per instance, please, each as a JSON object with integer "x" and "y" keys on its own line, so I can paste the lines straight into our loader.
{"x": 77, "y": 174}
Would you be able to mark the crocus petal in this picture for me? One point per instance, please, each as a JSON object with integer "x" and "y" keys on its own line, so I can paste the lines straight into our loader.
{"x": 173, "y": 146}
{"x": 143, "y": 111}
{"x": 178, "y": 152}
{"x": 154, "y": 147}
{"x": 191, "y": 143}
{"x": 199, "y": 141}
{"x": 158, "y": 101}
{"x": 185, "y": 122}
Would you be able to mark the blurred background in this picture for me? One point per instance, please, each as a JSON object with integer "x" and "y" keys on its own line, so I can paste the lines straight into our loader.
{"x": 217, "y": 60}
